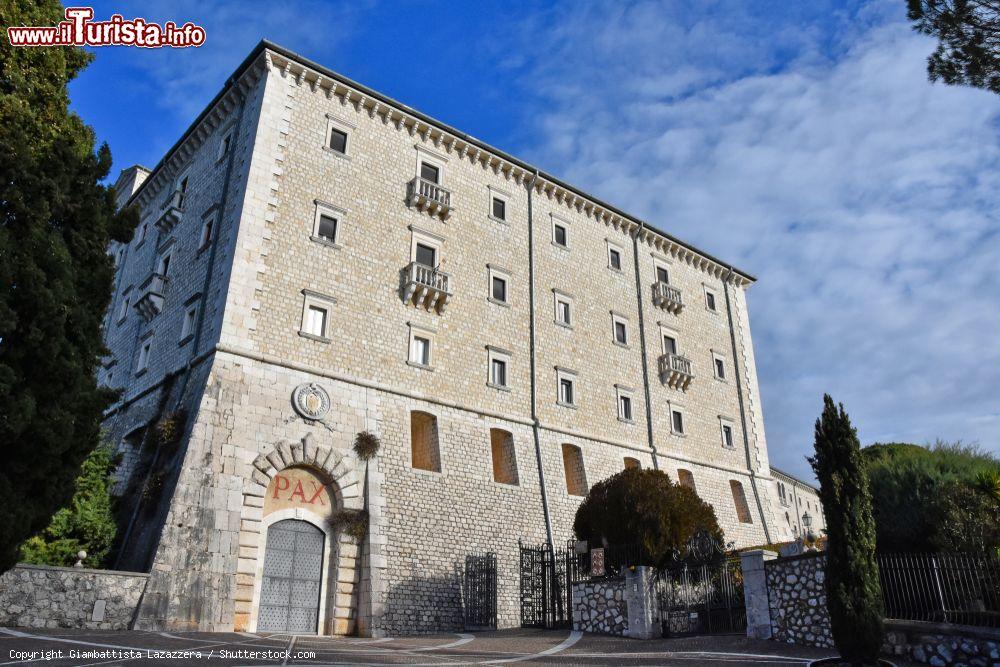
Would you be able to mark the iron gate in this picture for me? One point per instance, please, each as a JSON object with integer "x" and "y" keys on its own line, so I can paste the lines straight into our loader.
{"x": 702, "y": 598}
{"x": 480, "y": 588}
{"x": 546, "y": 593}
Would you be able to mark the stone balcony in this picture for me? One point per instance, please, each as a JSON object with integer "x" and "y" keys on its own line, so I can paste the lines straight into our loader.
{"x": 675, "y": 371}
{"x": 667, "y": 297}
{"x": 152, "y": 294}
{"x": 426, "y": 287}
{"x": 430, "y": 197}
{"x": 173, "y": 210}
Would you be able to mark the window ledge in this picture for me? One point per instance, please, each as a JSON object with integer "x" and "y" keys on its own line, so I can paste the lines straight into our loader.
{"x": 337, "y": 154}
{"x": 121, "y": 320}
{"x": 505, "y": 304}
{"x": 509, "y": 485}
{"x": 325, "y": 242}
{"x": 626, "y": 421}
{"x": 318, "y": 339}
{"x": 723, "y": 380}
{"x": 202, "y": 248}
{"x": 500, "y": 220}
{"x": 625, "y": 346}
{"x": 184, "y": 341}
{"x": 560, "y": 246}
{"x": 499, "y": 387}
{"x": 433, "y": 474}
{"x": 572, "y": 406}
{"x": 678, "y": 435}
{"x": 714, "y": 311}
{"x": 619, "y": 272}
{"x": 423, "y": 367}
{"x": 573, "y": 495}
{"x": 563, "y": 325}
{"x": 140, "y": 373}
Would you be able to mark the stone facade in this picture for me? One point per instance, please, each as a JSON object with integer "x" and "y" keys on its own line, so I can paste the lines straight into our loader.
{"x": 600, "y": 607}
{"x": 228, "y": 343}
{"x": 40, "y": 596}
{"x": 795, "y": 498}
{"x": 797, "y": 600}
{"x": 942, "y": 645}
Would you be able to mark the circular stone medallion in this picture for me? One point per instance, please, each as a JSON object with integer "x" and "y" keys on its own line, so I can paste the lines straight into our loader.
{"x": 311, "y": 401}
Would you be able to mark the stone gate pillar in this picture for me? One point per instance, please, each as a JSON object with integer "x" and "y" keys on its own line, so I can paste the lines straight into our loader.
{"x": 755, "y": 592}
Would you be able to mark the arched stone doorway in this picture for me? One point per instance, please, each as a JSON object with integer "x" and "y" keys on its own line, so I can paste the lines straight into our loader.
{"x": 307, "y": 485}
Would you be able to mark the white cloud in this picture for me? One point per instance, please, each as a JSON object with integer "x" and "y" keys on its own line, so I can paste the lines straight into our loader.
{"x": 863, "y": 197}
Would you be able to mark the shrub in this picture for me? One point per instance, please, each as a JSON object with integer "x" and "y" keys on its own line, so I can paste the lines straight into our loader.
{"x": 854, "y": 592}
{"x": 644, "y": 508}
{"x": 86, "y": 523}
{"x": 366, "y": 445}
{"x": 353, "y": 523}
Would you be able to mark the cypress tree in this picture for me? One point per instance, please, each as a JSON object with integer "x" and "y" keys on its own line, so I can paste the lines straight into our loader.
{"x": 56, "y": 221}
{"x": 853, "y": 590}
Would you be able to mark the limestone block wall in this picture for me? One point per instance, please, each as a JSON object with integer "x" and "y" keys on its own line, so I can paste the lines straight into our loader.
{"x": 600, "y": 607}
{"x": 40, "y": 596}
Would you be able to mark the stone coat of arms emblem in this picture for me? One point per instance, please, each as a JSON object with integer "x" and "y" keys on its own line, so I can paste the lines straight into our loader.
{"x": 311, "y": 401}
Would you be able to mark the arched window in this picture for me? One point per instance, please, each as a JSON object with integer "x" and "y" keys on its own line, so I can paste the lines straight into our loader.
{"x": 740, "y": 500}
{"x": 504, "y": 458}
{"x": 632, "y": 463}
{"x": 685, "y": 478}
{"x": 576, "y": 475}
{"x": 424, "y": 441}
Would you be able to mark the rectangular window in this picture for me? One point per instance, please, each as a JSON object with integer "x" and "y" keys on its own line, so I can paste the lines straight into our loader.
{"x": 143, "y": 362}
{"x": 316, "y": 321}
{"x": 182, "y": 187}
{"x": 498, "y": 289}
{"x": 420, "y": 350}
{"x": 563, "y": 314}
{"x": 425, "y": 448}
{"x": 207, "y": 226}
{"x": 426, "y": 255}
{"x": 141, "y": 236}
{"x": 727, "y": 436}
{"x": 338, "y": 140}
{"x": 662, "y": 275}
{"x": 669, "y": 344}
{"x": 740, "y": 500}
{"x": 710, "y": 300}
{"x": 429, "y": 172}
{"x": 163, "y": 265}
{"x": 187, "y": 326}
{"x": 123, "y": 309}
{"x": 504, "y": 457}
{"x": 632, "y": 463}
{"x": 576, "y": 474}
{"x": 225, "y": 145}
{"x": 559, "y": 236}
{"x": 720, "y": 366}
{"x": 620, "y": 330}
{"x": 677, "y": 422}
{"x": 615, "y": 259}
{"x": 326, "y": 228}
{"x": 625, "y": 407}
{"x": 499, "y": 208}
{"x": 498, "y": 372}
{"x": 566, "y": 391}
{"x": 685, "y": 478}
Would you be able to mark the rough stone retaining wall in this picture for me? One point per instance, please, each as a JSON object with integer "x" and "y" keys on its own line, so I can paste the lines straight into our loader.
{"x": 40, "y": 596}
{"x": 940, "y": 644}
{"x": 600, "y": 607}
{"x": 796, "y": 596}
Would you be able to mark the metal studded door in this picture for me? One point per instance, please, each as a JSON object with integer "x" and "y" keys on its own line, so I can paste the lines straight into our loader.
{"x": 293, "y": 572}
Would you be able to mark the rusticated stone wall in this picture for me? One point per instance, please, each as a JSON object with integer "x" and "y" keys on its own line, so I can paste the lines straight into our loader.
{"x": 600, "y": 607}
{"x": 40, "y": 596}
{"x": 797, "y": 600}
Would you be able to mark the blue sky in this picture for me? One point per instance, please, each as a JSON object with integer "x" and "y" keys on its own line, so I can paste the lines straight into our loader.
{"x": 800, "y": 141}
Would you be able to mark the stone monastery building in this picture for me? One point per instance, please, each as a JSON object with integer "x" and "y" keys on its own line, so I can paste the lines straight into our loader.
{"x": 315, "y": 260}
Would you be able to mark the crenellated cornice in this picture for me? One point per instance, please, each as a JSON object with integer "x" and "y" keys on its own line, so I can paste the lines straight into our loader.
{"x": 320, "y": 80}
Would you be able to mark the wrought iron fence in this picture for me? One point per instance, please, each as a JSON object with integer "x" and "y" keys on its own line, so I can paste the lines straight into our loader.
{"x": 948, "y": 588}
{"x": 617, "y": 559}
{"x": 480, "y": 591}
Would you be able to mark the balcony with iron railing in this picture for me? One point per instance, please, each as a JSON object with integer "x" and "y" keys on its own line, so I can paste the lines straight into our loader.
{"x": 173, "y": 210}
{"x": 667, "y": 297}
{"x": 675, "y": 371}
{"x": 430, "y": 197}
{"x": 426, "y": 287}
{"x": 152, "y": 294}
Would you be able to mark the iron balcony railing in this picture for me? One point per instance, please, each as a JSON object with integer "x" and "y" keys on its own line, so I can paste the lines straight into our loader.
{"x": 426, "y": 286}
{"x": 944, "y": 588}
{"x": 675, "y": 370}
{"x": 429, "y": 196}
{"x": 152, "y": 293}
{"x": 667, "y": 296}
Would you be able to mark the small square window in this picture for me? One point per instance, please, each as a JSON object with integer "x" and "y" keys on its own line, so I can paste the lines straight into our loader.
{"x": 669, "y": 344}
{"x": 662, "y": 275}
{"x": 620, "y": 331}
{"x": 207, "y": 228}
{"x": 426, "y": 255}
{"x": 625, "y": 407}
{"x": 614, "y": 259}
{"x": 420, "y": 350}
{"x": 710, "y": 300}
{"x": 566, "y": 391}
{"x": 143, "y": 362}
{"x": 559, "y": 234}
{"x": 727, "y": 436}
{"x": 326, "y": 228}
{"x": 677, "y": 422}
{"x": 563, "y": 310}
{"x": 498, "y": 372}
{"x": 338, "y": 140}
{"x": 720, "y": 368}
{"x": 429, "y": 172}
{"x": 187, "y": 325}
{"x": 499, "y": 289}
{"x": 499, "y": 208}
{"x": 316, "y": 321}
{"x": 123, "y": 308}
{"x": 163, "y": 264}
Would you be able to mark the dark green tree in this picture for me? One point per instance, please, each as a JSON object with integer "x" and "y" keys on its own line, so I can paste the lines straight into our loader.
{"x": 853, "y": 590}
{"x": 645, "y": 508}
{"x": 56, "y": 220}
{"x": 87, "y": 523}
{"x": 968, "y": 33}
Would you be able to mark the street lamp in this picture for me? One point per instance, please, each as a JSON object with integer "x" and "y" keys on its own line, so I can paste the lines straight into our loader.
{"x": 807, "y": 521}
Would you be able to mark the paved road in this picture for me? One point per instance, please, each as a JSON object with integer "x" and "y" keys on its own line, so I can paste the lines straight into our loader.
{"x": 87, "y": 647}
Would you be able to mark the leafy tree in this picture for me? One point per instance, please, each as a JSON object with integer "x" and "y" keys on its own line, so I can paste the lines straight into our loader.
{"x": 854, "y": 593}
{"x": 645, "y": 508}
{"x": 87, "y": 523}
{"x": 56, "y": 220}
{"x": 968, "y": 32}
{"x": 938, "y": 498}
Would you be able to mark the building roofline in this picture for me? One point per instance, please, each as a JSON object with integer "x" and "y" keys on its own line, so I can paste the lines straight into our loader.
{"x": 794, "y": 478}
{"x": 267, "y": 45}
